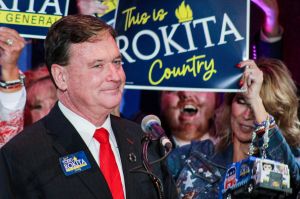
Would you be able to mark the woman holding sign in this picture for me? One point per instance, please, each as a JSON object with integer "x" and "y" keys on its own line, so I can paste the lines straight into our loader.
{"x": 261, "y": 121}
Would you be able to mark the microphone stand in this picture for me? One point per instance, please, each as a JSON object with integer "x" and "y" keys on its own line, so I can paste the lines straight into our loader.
{"x": 148, "y": 165}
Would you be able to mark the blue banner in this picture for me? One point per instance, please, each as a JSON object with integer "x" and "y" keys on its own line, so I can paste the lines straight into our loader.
{"x": 183, "y": 44}
{"x": 32, "y": 18}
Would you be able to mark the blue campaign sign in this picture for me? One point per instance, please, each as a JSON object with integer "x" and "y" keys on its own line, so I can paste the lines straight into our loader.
{"x": 32, "y": 18}
{"x": 183, "y": 44}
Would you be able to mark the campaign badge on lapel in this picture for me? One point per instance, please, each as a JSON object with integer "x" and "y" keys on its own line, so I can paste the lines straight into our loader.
{"x": 74, "y": 163}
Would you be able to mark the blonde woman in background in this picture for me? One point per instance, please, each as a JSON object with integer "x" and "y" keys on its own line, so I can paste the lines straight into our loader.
{"x": 270, "y": 97}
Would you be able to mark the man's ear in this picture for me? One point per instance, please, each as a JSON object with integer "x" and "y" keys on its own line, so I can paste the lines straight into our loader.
{"x": 59, "y": 74}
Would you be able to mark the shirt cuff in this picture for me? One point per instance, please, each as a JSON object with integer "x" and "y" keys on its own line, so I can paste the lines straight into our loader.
{"x": 265, "y": 38}
{"x": 15, "y": 100}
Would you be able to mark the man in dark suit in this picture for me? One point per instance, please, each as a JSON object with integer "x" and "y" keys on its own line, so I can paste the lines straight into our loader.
{"x": 62, "y": 156}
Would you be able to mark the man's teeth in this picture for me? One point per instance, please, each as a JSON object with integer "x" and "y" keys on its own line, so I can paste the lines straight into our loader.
{"x": 189, "y": 109}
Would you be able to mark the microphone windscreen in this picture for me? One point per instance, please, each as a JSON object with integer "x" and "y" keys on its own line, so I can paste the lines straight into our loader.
{"x": 148, "y": 120}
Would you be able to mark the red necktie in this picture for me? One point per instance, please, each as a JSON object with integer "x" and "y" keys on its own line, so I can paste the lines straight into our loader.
{"x": 108, "y": 164}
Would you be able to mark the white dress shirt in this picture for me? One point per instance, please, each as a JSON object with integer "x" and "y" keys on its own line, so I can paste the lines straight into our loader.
{"x": 86, "y": 131}
{"x": 11, "y": 102}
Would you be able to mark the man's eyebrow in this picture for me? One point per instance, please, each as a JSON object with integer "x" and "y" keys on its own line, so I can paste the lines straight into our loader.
{"x": 93, "y": 62}
{"x": 119, "y": 57}
{"x": 101, "y": 60}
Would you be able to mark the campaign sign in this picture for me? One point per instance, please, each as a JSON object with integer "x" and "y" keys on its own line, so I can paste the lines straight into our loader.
{"x": 74, "y": 163}
{"x": 32, "y": 18}
{"x": 109, "y": 15}
{"x": 183, "y": 44}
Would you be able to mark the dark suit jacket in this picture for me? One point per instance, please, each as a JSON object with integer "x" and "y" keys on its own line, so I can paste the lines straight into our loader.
{"x": 30, "y": 168}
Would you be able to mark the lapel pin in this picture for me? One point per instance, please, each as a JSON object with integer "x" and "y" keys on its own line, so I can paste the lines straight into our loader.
{"x": 132, "y": 157}
{"x": 74, "y": 163}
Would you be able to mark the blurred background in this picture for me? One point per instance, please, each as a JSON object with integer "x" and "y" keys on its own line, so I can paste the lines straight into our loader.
{"x": 290, "y": 20}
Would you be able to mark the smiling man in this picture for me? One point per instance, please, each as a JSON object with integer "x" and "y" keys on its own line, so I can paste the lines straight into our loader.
{"x": 188, "y": 115}
{"x": 79, "y": 150}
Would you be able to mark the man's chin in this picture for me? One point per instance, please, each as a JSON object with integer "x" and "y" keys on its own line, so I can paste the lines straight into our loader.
{"x": 187, "y": 118}
{"x": 114, "y": 92}
{"x": 187, "y": 127}
{"x": 110, "y": 103}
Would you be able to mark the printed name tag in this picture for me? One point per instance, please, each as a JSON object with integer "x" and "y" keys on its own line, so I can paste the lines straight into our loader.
{"x": 74, "y": 163}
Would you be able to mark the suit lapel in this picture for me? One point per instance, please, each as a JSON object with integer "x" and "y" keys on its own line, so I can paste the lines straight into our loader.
{"x": 129, "y": 148}
{"x": 66, "y": 141}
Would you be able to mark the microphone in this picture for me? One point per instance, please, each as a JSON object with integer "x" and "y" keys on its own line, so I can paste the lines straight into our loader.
{"x": 151, "y": 124}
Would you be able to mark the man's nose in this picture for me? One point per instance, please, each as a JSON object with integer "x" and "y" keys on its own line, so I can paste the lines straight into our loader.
{"x": 184, "y": 95}
{"x": 113, "y": 72}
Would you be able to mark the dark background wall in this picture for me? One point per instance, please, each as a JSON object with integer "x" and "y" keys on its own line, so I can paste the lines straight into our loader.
{"x": 290, "y": 20}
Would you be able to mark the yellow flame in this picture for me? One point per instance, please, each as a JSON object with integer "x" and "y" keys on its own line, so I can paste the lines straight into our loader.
{"x": 184, "y": 13}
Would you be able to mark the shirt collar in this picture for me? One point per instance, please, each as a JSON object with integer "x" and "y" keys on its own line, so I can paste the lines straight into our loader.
{"x": 85, "y": 128}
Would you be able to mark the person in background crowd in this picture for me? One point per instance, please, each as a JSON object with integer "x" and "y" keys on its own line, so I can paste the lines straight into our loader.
{"x": 241, "y": 123}
{"x": 188, "y": 115}
{"x": 41, "y": 94}
{"x": 79, "y": 150}
{"x": 12, "y": 92}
